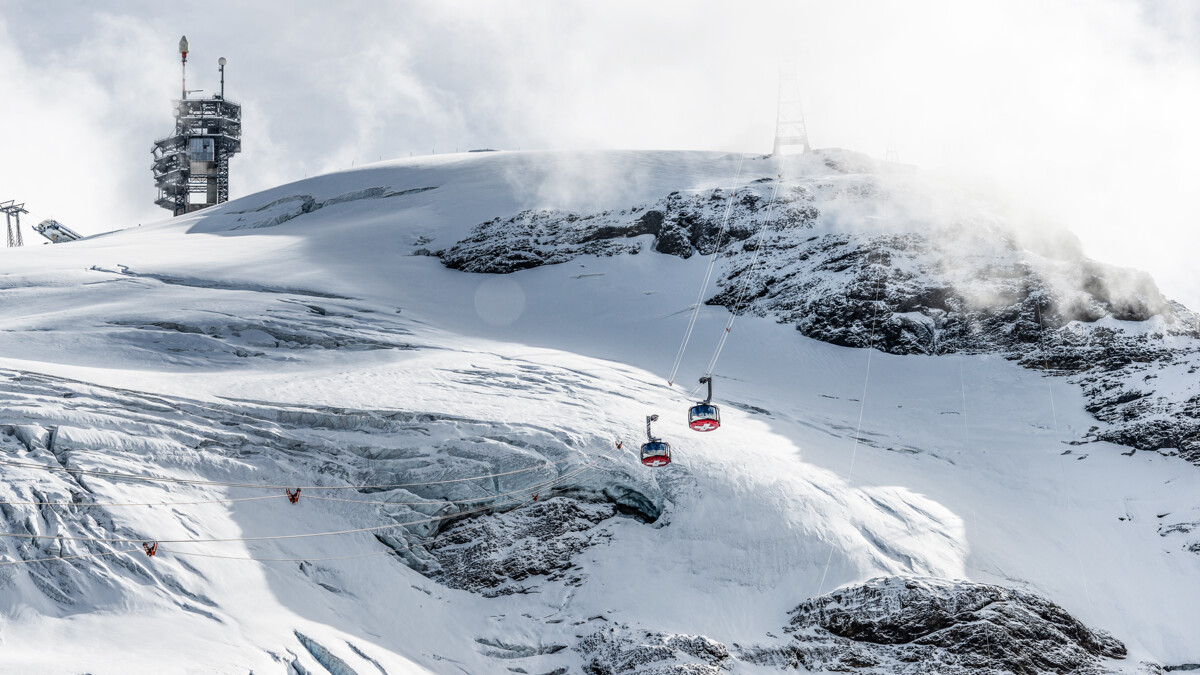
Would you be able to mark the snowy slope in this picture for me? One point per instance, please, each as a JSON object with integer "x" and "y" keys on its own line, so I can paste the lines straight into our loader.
{"x": 305, "y": 336}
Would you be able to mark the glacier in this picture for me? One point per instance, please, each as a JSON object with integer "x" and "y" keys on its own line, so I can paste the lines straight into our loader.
{"x": 921, "y": 405}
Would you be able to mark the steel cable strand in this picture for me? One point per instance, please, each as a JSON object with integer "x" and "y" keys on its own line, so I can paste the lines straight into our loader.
{"x": 767, "y": 224}
{"x": 432, "y": 502}
{"x": 563, "y": 478}
{"x": 389, "y": 551}
{"x": 259, "y": 486}
{"x": 70, "y": 557}
{"x": 376, "y": 528}
{"x": 226, "y": 500}
{"x": 862, "y": 405}
{"x": 1061, "y": 461}
{"x": 712, "y": 262}
{"x": 590, "y": 466}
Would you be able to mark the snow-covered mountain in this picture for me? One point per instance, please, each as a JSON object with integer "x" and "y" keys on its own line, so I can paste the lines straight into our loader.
{"x": 927, "y": 459}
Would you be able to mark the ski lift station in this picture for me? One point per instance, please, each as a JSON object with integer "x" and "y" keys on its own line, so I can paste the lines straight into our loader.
{"x": 56, "y": 232}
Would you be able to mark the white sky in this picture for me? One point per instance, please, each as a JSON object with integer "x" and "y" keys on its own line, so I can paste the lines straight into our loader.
{"x": 1084, "y": 113}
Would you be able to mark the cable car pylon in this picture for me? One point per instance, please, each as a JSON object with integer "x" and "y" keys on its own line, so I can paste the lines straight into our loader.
{"x": 704, "y": 416}
{"x": 655, "y": 451}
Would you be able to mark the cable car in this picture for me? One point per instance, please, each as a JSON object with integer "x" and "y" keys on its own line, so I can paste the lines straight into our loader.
{"x": 704, "y": 416}
{"x": 655, "y": 451}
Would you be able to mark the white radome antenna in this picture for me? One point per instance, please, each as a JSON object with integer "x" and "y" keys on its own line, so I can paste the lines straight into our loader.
{"x": 790, "y": 129}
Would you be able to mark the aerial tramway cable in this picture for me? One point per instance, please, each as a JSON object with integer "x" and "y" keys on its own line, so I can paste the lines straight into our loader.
{"x": 259, "y": 486}
{"x": 1061, "y": 461}
{"x": 288, "y": 495}
{"x": 862, "y": 406}
{"x": 389, "y": 551}
{"x": 712, "y": 261}
{"x": 538, "y": 487}
{"x": 225, "y": 500}
{"x": 70, "y": 557}
{"x": 22, "y": 535}
{"x": 767, "y": 224}
{"x": 156, "y": 549}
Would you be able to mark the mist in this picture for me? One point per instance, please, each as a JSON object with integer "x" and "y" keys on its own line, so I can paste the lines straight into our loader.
{"x": 1074, "y": 114}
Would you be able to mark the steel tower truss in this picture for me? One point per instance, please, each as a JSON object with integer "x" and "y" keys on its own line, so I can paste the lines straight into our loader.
{"x": 790, "y": 129}
{"x": 13, "y": 212}
{"x": 191, "y": 167}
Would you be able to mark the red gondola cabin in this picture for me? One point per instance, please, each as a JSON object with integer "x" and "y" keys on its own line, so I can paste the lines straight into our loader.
{"x": 655, "y": 451}
{"x": 704, "y": 416}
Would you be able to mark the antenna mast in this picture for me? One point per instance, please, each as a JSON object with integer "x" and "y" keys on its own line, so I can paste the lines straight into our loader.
{"x": 191, "y": 166}
{"x": 183, "y": 50}
{"x": 790, "y": 129}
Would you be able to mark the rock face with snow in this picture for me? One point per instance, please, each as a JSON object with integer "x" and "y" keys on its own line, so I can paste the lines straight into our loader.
{"x": 857, "y": 253}
{"x": 422, "y": 455}
{"x": 472, "y": 497}
{"x": 513, "y": 549}
{"x": 887, "y": 625}
{"x": 923, "y": 625}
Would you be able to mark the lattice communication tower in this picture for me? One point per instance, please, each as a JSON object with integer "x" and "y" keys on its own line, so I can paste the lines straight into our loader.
{"x": 790, "y": 129}
{"x": 13, "y": 211}
{"x": 893, "y": 154}
{"x": 191, "y": 167}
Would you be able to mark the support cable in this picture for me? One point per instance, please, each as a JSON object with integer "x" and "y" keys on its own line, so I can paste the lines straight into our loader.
{"x": 862, "y": 405}
{"x": 259, "y": 486}
{"x": 1061, "y": 462}
{"x": 712, "y": 261}
{"x": 388, "y": 551}
{"x": 226, "y": 500}
{"x": 375, "y": 528}
{"x": 767, "y": 224}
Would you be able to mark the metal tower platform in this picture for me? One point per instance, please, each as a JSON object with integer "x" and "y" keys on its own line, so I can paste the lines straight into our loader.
{"x": 191, "y": 166}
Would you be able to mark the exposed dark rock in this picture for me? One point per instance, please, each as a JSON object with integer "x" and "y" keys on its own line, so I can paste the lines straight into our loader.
{"x": 291, "y": 207}
{"x": 680, "y": 226}
{"x": 966, "y": 283}
{"x": 494, "y": 556}
{"x": 893, "y": 625}
{"x": 616, "y": 651}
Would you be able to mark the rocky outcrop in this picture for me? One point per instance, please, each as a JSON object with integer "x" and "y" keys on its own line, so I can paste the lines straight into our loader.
{"x": 497, "y": 556}
{"x": 911, "y": 625}
{"x": 861, "y": 258}
{"x": 889, "y": 625}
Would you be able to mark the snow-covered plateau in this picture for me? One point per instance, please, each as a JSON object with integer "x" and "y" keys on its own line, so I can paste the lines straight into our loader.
{"x": 950, "y": 443}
